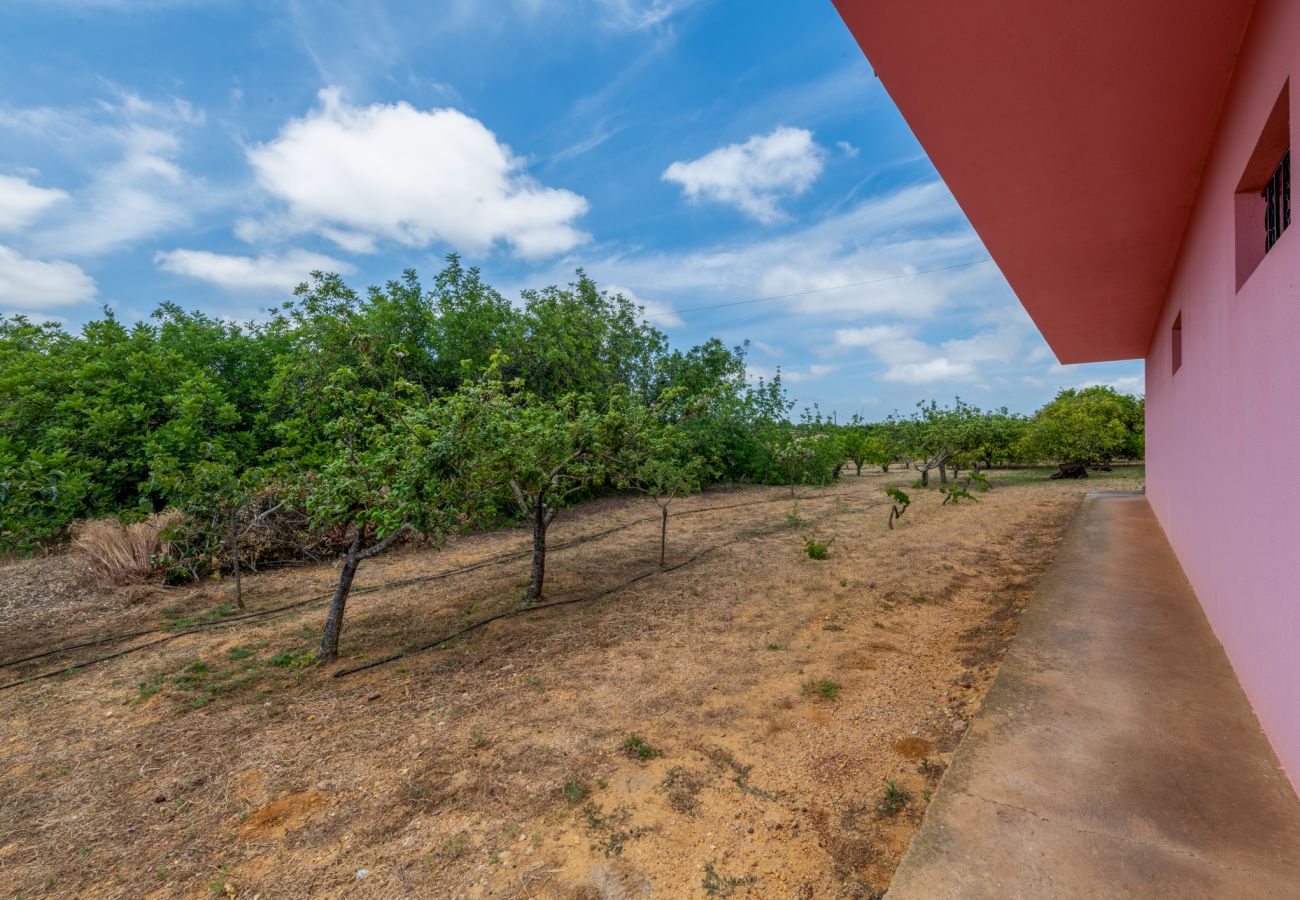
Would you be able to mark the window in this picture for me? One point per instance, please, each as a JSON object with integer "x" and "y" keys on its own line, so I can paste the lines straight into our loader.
{"x": 1177, "y": 342}
{"x": 1263, "y": 198}
{"x": 1277, "y": 202}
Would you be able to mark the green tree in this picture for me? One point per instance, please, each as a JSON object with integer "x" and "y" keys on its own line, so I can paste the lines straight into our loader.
{"x": 662, "y": 467}
{"x": 1092, "y": 425}
{"x": 546, "y": 453}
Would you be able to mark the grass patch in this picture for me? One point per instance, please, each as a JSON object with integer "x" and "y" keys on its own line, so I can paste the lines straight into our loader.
{"x": 824, "y": 688}
{"x": 575, "y": 790}
{"x": 636, "y": 748}
{"x": 716, "y": 885}
{"x": 893, "y": 800}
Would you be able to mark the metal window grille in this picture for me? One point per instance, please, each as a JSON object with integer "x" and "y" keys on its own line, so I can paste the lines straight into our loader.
{"x": 1277, "y": 202}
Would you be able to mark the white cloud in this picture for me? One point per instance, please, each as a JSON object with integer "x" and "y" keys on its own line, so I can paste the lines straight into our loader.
{"x": 847, "y": 149}
{"x": 910, "y": 360}
{"x": 247, "y": 273}
{"x": 128, "y": 151}
{"x": 660, "y": 314}
{"x": 22, "y": 203}
{"x": 912, "y": 230}
{"x": 33, "y": 284}
{"x": 755, "y": 175}
{"x": 789, "y": 375}
{"x": 392, "y": 172}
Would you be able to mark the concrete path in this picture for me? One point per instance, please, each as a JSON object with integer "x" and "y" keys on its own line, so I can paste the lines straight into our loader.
{"x": 1115, "y": 755}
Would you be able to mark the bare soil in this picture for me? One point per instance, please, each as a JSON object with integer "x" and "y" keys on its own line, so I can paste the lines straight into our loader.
{"x": 793, "y": 715}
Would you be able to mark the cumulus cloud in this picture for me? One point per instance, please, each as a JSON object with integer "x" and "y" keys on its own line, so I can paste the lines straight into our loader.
{"x": 34, "y": 284}
{"x": 755, "y": 175}
{"x": 357, "y": 175}
{"x": 22, "y": 203}
{"x": 248, "y": 273}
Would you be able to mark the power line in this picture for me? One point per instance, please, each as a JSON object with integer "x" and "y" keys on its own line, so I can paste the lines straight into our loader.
{"x": 837, "y": 287}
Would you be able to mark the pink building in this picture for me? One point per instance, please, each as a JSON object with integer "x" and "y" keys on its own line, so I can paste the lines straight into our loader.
{"x": 1127, "y": 164}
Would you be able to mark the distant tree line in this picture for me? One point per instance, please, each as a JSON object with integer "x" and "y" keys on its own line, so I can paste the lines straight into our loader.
{"x": 343, "y": 422}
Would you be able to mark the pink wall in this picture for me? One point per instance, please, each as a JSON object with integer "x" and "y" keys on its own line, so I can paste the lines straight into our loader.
{"x": 1223, "y": 434}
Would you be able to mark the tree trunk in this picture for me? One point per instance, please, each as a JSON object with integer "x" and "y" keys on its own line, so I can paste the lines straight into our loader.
{"x": 663, "y": 537}
{"x": 538, "y": 576}
{"x": 234, "y": 558}
{"x": 925, "y": 477}
{"x": 329, "y": 642}
{"x": 859, "y": 465}
{"x": 943, "y": 473}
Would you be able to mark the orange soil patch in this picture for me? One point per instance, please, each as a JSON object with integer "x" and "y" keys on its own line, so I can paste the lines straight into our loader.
{"x": 777, "y": 695}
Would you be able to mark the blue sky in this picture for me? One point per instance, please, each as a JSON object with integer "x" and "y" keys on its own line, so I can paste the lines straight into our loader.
{"x": 690, "y": 153}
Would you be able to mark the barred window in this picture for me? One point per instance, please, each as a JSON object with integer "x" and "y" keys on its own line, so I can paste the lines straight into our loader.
{"x": 1277, "y": 202}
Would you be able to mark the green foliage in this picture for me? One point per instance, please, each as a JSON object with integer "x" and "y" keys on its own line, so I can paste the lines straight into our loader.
{"x": 1092, "y": 425}
{"x": 899, "y": 497}
{"x": 817, "y": 549}
{"x": 893, "y": 800}
{"x": 824, "y": 688}
{"x": 954, "y": 495}
{"x": 638, "y": 749}
{"x": 575, "y": 790}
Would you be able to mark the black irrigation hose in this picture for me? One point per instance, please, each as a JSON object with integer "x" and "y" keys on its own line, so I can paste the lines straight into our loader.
{"x": 405, "y": 582}
{"x": 525, "y": 610}
{"x": 266, "y": 614}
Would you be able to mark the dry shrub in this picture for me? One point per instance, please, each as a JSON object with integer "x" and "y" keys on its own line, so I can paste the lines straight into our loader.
{"x": 122, "y": 553}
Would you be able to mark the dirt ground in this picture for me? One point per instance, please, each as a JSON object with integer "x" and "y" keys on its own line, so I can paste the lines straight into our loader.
{"x": 753, "y": 722}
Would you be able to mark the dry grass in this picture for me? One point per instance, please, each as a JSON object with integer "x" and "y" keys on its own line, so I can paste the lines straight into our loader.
{"x": 495, "y": 766}
{"x": 121, "y": 553}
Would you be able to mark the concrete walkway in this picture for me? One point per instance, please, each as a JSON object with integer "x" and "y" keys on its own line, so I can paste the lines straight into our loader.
{"x": 1115, "y": 755}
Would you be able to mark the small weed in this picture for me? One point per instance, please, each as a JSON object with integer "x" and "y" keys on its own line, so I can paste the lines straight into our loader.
{"x": 716, "y": 885}
{"x": 146, "y": 690}
{"x": 740, "y": 773}
{"x": 456, "y": 845}
{"x": 683, "y": 788}
{"x": 892, "y": 801}
{"x": 171, "y": 612}
{"x": 793, "y": 520}
{"x": 239, "y": 653}
{"x": 575, "y": 790}
{"x": 161, "y": 874}
{"x": 925, "y": 795}
{"x": 876, "y": 623}
{"x": 613, "y": 835}
{"x": 831, "y": 626}
{"x": 775, "y": 646}
{"x": 198, "y": 667}
{"x": 636, "y": 748}
{"x": 477, "y": 740}
{"x": 821, "y": 687}
{"x": 534, "y": 682}
{"x": 844, "y": 582}
{"x": 294, "y": 659}
{"x": 954, "y": 495}
{"x": 816, "y": 549}
{"x": 217, "y": 886}
{"x": 931, "y": 770}
{"x": 494, "y": 859}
